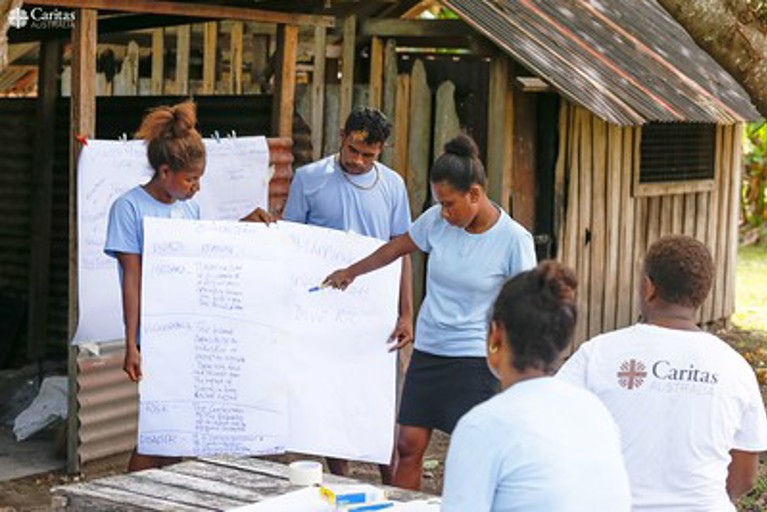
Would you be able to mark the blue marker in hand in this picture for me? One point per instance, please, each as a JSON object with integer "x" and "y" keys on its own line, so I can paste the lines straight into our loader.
{"x": 318, "y": 288}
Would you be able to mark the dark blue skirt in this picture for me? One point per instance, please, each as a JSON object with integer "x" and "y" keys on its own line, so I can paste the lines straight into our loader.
{"x": 439, "y": 390}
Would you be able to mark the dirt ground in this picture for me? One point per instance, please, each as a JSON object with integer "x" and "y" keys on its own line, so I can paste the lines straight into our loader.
{"x": 32, "y": 494}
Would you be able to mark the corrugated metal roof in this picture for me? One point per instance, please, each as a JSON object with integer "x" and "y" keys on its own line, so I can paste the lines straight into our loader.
{"x": 627, "y": 62}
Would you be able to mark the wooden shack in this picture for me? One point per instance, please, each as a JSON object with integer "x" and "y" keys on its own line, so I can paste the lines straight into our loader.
{"x": 601, "y": 124}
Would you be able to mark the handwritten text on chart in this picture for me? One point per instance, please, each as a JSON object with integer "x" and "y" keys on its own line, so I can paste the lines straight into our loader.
{"x": 240, "y": 358}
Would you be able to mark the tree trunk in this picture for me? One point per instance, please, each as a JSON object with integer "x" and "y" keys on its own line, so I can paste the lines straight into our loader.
{"x": 734, "y": 35}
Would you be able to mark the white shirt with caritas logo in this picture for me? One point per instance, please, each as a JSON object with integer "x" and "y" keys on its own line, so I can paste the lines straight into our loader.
{"x": 682, "y": 401}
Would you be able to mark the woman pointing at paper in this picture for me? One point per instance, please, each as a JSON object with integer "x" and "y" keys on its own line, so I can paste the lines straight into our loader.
{"x": 473, "y": 247}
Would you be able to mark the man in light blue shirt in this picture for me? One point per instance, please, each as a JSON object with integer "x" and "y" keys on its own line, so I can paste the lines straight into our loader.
{"x": 352, "y": 191}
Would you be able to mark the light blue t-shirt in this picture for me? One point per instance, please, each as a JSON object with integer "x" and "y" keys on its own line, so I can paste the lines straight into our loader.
{"x": 463, "y": 278}
{"x": 125, "y": 231}
{"x": 321, "y": 194}
{"x": 542, "y": 444}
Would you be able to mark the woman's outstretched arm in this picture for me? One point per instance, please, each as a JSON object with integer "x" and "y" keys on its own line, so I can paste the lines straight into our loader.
{"x": 384, "y": 255}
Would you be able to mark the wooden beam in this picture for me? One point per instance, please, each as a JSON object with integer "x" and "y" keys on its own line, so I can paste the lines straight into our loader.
{"x": 401, "y": 126}
{"x": 235, "y": 58}
{"x": 523, "y": 174}
{"x": 531, "y": 84}
{"x": 214, "y": 12}
{"x": 376, "y": 72}
{"x": 183, "y": 46}
{"x": 42, "y": 194}
{"x": 389, "y": 106}
{"x": 497, "y": 135}
{"x": 209, "y": 46}
{"x": 17, "y": 51}
{"x": 347, "y": 68}
{"x": 318, "y": 90}
{"x": 82, "y": 122}
{"x": 393, "y": 27}
{"x": 158, "y": 61}
{"x": 285, "y": 81}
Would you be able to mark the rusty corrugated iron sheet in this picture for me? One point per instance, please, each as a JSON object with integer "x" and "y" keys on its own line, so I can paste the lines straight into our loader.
{"x": 107, "y": 400}
{"x": 107, "y": 404}
{"x": 281, "y": 157}
{"x": 627, "y": 62}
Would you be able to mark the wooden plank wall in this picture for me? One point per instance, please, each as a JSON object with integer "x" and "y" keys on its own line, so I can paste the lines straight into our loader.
{"x": 605, "y": 231}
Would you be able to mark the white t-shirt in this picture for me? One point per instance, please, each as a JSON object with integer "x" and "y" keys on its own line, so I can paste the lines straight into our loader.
{"x": 541, "y": 445}
{"x": 682, "y": 400}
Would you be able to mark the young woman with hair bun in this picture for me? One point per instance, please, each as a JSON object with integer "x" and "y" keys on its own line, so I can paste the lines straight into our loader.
{"x": 473, "y": 247}
{"x": 540, "y": 444}
{"x": 177, "y": 154}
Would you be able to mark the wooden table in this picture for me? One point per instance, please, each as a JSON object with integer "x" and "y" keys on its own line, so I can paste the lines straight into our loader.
{"x": 214, "y": 483}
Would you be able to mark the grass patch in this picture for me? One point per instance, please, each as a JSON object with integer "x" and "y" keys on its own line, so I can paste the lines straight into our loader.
{"x": 750, "y": 340}
{"x": 756, "y": 500}
{"x": 751, "y": 289}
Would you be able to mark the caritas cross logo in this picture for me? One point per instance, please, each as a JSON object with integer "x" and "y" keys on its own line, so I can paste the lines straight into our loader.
{"x": 631, "y": 374}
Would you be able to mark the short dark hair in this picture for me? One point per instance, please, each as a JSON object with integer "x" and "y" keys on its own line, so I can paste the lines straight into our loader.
{"x": 459, "y": 165}
{"x": 681, "y": 269}
{"x": 370, "y": 121}
{"x": 537, "y": 308}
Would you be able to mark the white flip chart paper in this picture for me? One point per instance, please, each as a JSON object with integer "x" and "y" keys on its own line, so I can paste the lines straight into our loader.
{"x": 228, "y": 322}
{"x": 235, "y": 182}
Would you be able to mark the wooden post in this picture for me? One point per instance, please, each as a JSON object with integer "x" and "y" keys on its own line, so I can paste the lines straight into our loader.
{"x": 401, "y": 135}
{"x": 376, "y": 72}
{"x": 731, "y": 243}
{"x": 522, "y": 185}
{"x": 598, "y": 226}
{"x": 285, "y": 81}
{"x": 318, "y": 90}
{"x": 183, "y": 45}
{"x": 126, "y": 81}
{"x": 158, "y": 61}
{"x": 235, "y": 58}
{"x": 418, "y": 162}
{"x": 347, "y": 67}
{"x": 42, "y": 193}
{"x": 499, "y": 134}
{"x": 446, "y": 122}
{"x": 210, "y": 40}
{"x": 390, "y": 98}
{"x": 82, "y": 122}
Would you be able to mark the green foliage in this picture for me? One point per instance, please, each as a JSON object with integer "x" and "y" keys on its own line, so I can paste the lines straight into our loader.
{"x": 446, "y": 14}
{"x": 759, "y": 9}
{"x": 755, "y": 500}
{"x": 754, "y": 183}
{"x": 751, "y": 288}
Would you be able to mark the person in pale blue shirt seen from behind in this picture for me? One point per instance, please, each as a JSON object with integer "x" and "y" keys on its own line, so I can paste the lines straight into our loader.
{"x": 473, "y": 247}
{"x": 541, "y": 444}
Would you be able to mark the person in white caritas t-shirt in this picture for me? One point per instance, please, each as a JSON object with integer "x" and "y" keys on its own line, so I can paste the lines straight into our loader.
{"x": 688, "y": 406}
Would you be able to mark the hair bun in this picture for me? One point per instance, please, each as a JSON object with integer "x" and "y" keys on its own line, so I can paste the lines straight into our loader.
{"x": 462, "y": 146}
{"x": 560, "y": 280}
{"x": 184, "y": 118}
